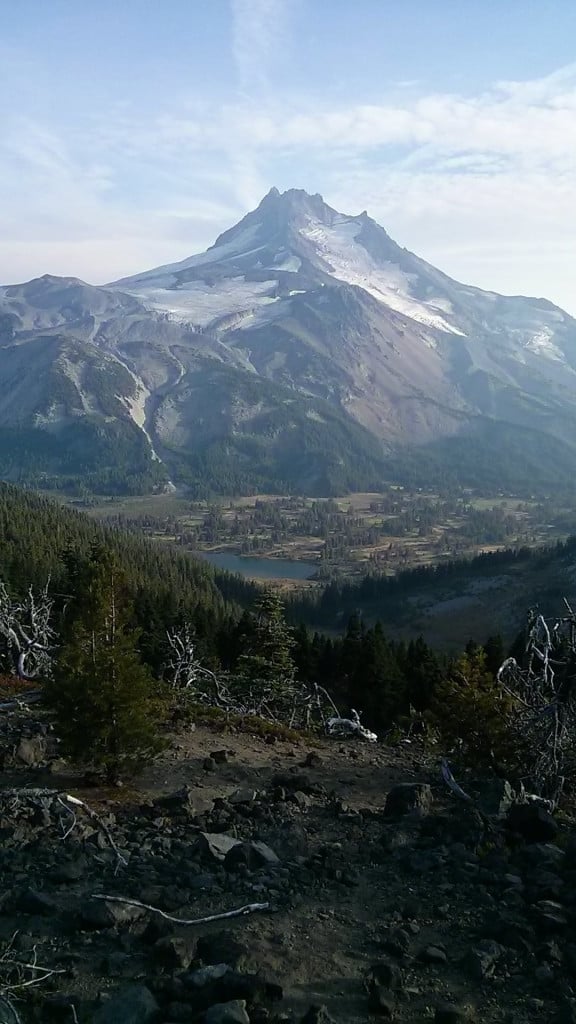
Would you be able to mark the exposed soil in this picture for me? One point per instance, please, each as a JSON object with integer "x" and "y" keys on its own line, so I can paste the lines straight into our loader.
{"x": 450, "y": 906}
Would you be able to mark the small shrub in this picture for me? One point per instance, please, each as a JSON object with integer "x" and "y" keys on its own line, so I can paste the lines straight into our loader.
{"x": 472, "y": 716}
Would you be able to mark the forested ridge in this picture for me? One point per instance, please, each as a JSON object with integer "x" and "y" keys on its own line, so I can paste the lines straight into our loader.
{"x": 362, "y": 667}
{"x": 380, "y": 596}
{"x": 38, "y": 536}
{"x": 35, "y": 532}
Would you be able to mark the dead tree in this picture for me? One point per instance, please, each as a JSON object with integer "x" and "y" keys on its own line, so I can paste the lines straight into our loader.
{"x": 26, "y": 629}
{"x": 543, "y": 701}
{"x": 284, "y": 702}
{"x": 184, "y": 671}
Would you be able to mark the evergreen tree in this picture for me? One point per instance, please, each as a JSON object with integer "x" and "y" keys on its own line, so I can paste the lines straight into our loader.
{"x": 423, "y": 672}
{"x": 353, "y": 646}
{"x": 377, "y": 683}
{"x": 495, "y": 652}
{"x": 267, "y": 645}
{"x": 471, "y": 712}
{"x": 103, "y": 696}
{"x": 304, "y": 654}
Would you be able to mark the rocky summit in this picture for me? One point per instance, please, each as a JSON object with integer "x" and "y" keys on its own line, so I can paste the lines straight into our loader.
{"x": 370, "y": 891}
{"x": 304, "y": 351}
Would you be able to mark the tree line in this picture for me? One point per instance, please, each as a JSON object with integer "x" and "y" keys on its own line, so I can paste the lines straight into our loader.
{"x": 117, "y": 597}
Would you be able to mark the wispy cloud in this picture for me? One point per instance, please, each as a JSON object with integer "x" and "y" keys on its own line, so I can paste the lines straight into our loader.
{"x": 484, "y": 185}
{"x": 258, "y": 30}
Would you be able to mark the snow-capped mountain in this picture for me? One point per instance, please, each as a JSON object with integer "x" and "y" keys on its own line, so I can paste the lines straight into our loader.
{"x": 288, "y": 245}
{"x": 294, "y": 242}
{"x": 306, "y": 343}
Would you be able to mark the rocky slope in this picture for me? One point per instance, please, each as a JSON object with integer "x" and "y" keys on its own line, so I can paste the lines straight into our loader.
{"x": 301, "y": 329}
{"x": 388, "y": 898}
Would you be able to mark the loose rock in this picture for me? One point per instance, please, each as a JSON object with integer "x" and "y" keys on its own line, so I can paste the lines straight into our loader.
{"x": 134, "y": 1004}
{"x": 408, "y": 798}
{"x": 228, "y": 1013}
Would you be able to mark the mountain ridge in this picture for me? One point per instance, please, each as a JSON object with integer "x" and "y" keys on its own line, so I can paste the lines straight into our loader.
{"x": 304, "y": 310}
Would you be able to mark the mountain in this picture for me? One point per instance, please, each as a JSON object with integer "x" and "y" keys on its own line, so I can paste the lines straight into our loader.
{"x": 305, "y": 350}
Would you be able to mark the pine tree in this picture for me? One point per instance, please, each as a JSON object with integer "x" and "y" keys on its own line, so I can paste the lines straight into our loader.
{"x": 423, "y": 672}
{"x": 377, "y": 686}
{"x": 495, "y": 652}
{"x": 472, "y": 712}
{"x": 102, "y": 694}
{"x": 267, "y": 645}
{"x": 304, "y": 654}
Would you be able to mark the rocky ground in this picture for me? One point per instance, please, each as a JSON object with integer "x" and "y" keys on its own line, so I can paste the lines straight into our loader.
{"x": 388, "y": 897}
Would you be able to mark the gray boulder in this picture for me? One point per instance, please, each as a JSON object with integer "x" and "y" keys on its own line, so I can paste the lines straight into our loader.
{"x": 175, "y": 952}
{"x": 227, "y": 1013}
{"x": 533, "y": 822}
{"x": 243, "y": 796}
{"x": 253, "y": 855}
{"x": 496, "y": 797}
{"x": 32, "y": 751}
{"x": 483, "y": 959}
{"x": 180, "y": 802}
{"x": 317, "y": 1015}
{"x": 216, "y": 845}
{"x": 134, "y": 1004}
{"x": 448, "y": 1013}
{"x": 98, "y": 914}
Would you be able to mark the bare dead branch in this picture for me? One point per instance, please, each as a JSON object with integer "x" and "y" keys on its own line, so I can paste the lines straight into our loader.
{"x": 184, "y": 670}
{"x": 543, "y": 691}
{"x": 4, "y": 1001}
{"x": 26, "y": 629}
{"x": 299, "y": 706}
{"x": 352, "y": 726}
{"x": 17, "y": 975}
{"x": 68, "y": 801}
{"x": 250, "y": 908}
{"x": 21, "y": 701}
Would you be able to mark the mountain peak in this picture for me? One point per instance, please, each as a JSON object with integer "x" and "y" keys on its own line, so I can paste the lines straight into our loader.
{"x": 280, "y": 213}
{"x": 294, "y": 198}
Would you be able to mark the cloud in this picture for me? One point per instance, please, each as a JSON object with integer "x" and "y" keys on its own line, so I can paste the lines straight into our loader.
{"x": 535, "y": 124}
{"x": 259, "y": 44}
{"x": 258, "y": 30}
{"x": 483, "y": 185}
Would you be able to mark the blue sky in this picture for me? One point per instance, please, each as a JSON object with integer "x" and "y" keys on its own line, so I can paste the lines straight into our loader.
{"x": 133, "y": 131}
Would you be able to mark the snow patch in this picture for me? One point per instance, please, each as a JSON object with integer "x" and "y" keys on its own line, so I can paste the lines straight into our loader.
{"x": 240, "y": 245}
{"x": 290, "y": 264}
{"x": 201, "y": 304}
{"x": 349, "y": 261}
{"x": 136, "y": 405}
{"x": 338, "y": 253}
{"x": 541, "y": 343}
